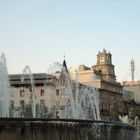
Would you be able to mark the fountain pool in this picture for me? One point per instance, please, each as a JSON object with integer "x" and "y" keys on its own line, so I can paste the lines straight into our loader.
{"x": 63, "y": 129}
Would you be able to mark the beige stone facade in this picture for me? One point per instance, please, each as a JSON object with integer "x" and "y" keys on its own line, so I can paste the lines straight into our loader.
{"x": 44, "y": 92}
{"x": 49, "y": 90}
{"x": 102, "y": 76}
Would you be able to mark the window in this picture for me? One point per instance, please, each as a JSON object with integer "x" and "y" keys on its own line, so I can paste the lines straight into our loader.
{"x": 42, "y": 93}
{"x": 11, "y": 104}
{"x": 57, "y": 92}
{"x": 42, "y": 102}
{"x": 22, "y": 104}
{"x": 21, "y": 93}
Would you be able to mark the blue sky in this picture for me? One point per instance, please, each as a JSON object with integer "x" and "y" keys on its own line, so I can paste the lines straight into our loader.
{"x": 38, "y": 32}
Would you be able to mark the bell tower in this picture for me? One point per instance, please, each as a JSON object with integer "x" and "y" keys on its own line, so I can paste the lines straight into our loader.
{"x": 105, "y": 67}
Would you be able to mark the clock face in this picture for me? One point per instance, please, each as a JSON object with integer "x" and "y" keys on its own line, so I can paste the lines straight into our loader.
{"x": 102, "y": 59}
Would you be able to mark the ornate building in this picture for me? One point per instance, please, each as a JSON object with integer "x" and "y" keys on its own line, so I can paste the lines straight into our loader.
{"x": 20, "y": 100}
{"x": 49, "y": 90}
{"x": 102, "y": 76}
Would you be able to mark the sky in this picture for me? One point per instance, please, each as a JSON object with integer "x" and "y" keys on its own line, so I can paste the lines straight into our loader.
{"x": 40, "y": 32}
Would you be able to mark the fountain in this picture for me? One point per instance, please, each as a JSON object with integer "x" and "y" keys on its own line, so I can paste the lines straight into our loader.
{"x": 4, "y": 88}
{"x": 27, "y": 71}
{"x": 79, "y": 119}
{"x": 79, "y": 99}
{"x": 82, "y": 101}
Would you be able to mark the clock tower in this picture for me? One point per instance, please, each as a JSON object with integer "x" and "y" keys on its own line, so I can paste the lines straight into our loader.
{"x": 105, "y": 67}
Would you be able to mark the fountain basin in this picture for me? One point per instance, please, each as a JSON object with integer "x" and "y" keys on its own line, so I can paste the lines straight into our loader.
{"x": 63, "y": 129}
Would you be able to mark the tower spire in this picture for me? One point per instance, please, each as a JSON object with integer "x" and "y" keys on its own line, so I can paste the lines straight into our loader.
{"x": 65, "y": 65}
{"x": 64, "y": 55}
{"x": 64, "y": 62}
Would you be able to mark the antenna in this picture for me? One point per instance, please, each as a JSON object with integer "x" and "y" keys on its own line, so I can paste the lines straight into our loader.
{"x": 132, "y": 63}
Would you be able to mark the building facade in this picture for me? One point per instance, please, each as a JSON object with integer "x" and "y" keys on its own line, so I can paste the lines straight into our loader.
{"x": 43, "y": 90}
{"x": 102, "y": 76}
{"x": 50, "y": 90}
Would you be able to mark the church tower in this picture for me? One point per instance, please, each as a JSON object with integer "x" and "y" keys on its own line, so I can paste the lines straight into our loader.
{"x": 105, "y": 67}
